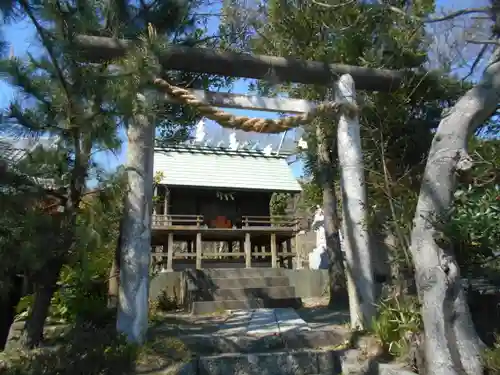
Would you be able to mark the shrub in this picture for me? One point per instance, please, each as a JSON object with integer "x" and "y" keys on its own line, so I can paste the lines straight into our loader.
{"x": 491, "y": 360}
{"x": 474, "y": 225}
{"x": 397, "y": 320}
{"x": 81, "y": 297}
{"x": 84, "y": 349}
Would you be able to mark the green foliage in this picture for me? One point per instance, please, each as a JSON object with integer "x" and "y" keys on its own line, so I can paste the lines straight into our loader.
{"x": 397, "y": 319}
{"x": 25, "y": 229}
{"x": 312, "y": 194}
{"x": 82, "y": 296}
{"x": 279, "y": 203}
{"x": 82, "y": 293}
{"x": 472, "y": 226}
{"x": 395, "y": 126}
{"x": 89, "y": 349}
{"x": 167, "y": 301}
{"x": 491, "y": 360}
{"x": 83, "y": 350}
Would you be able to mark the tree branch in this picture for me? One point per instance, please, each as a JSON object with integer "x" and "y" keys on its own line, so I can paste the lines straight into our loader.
{"x": 47, "y": 45}
{"x": 400, "y": 11}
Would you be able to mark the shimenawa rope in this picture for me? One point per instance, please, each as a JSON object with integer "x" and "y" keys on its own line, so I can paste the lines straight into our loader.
{"x": 245, "y": 123}
{"x": 250, "y": 124}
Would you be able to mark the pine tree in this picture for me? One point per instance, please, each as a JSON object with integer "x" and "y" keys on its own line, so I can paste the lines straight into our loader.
{"x": 24, "y": 229}
{"x": 73, "y": 101}
{"x": 84, "y": 104}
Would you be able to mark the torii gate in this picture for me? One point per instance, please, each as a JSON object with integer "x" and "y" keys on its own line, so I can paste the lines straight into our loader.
{"x": 134, "y": 270}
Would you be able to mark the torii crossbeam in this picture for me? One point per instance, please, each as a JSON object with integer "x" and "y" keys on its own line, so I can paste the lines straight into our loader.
{"x": 231, "y": 64}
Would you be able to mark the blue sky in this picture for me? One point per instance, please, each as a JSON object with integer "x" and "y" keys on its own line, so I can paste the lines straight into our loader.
{"x": 21, "y": 36}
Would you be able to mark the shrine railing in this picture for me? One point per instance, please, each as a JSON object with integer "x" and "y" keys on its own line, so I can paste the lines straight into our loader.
{"x": 162, "y": 221}
{"x": 270, "y": 221}
{"x": 221, "y": 222}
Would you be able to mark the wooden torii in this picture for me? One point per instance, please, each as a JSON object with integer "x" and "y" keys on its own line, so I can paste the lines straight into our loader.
{"x": 135, "y": 252}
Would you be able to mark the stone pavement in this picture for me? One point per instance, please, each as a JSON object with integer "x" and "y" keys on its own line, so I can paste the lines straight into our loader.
{"x": 262, "y": 322}
{"x": 251, "y": 331}
{"x": 277, "y": 341}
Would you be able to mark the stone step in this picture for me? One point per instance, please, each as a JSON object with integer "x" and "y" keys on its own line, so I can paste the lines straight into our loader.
{"x": 210, "y": 344}
{"x": 243, "y": 272}
{"x": 250, "y": 282}
{"x": 324, "y": 362}
{"x": 275, "y": 363}
{"x": 264, "y": 293}
{"x": 210, "y": 307}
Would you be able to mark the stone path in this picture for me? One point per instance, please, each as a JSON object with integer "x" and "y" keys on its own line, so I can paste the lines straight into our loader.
{"x": 274, "y": 322}
{"x": 262, "y": 322}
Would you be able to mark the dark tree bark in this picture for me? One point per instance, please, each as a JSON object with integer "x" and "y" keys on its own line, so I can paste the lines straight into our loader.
{"x": 338, "y": 292}
{"x": 44, "y": 290}
{"x": 114, "y": 273}
{"x": 8, "y": 307}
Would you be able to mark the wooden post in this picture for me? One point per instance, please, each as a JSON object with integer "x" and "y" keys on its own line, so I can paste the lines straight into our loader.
{"x": 290, "y": 252}
{"x": 274, "y": 254}
{"x": 298, "y": 253}
{"x": 280, "y": 258}
{"x": 170, "y": 252}
{"x": 165, "y": 201}
{"x": 199, "y": 254}
{"x": 155, "y": 194}
{"x": 248, "y": 251}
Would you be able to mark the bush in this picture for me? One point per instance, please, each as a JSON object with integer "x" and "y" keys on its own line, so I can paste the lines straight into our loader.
{"x": 397, "y": 320}
{"x": 491, "y": 360}
{"x": 81, "y": 300}
{"x": 83, "y": 350}
{"x": 81, "y": 297}
{"x": 90, "y": 350}
{"x": 474, "y": 225}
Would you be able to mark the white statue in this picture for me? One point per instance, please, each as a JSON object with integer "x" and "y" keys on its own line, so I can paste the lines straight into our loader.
{"x": 318, "y": 258}
{"x": 268, "y": 150}
{"x": 233, "y": 142}
{"x": 200, "y": 133}
{"x": 302, "y": 144}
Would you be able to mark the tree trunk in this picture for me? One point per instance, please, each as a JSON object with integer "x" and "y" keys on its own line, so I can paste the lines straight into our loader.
{"x": 114, "y": 272}
{"x": 135, "y": 252}
{"x": 326, "y": 179}
{"x": 9, "y": 304}
{"x": 355, "y": 238}
{"x": 44, "y": 290}
{"x": 451, "y": 343}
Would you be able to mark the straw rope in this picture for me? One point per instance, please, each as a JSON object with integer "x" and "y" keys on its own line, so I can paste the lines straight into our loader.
{"x": 252, "y": 124}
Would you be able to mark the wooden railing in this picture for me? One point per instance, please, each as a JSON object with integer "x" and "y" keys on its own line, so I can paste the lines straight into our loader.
{"x": 177, "y": 220}
{"x": 278, "y": 251}
{"x": 163, "y": 221}
{"x": 270, "y": 221}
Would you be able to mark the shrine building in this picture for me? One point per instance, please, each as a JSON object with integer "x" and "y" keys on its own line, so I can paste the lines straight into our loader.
{"x": 221, "y": 194}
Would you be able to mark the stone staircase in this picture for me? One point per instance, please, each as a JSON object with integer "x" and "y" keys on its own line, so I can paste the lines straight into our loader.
{"x": 217, "y": 290}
